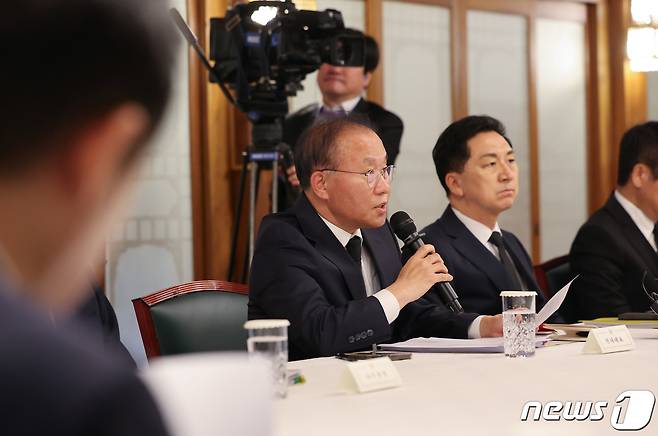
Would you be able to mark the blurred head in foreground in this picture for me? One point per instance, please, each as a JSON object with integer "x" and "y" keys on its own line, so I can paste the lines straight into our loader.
{"x": 84, "y": 85}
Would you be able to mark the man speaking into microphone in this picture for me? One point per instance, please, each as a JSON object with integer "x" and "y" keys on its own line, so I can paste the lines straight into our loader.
{"x": 331, "y": 264}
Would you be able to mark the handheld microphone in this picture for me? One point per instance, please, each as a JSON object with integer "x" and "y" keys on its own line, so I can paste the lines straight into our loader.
{"x": 405, "y": 229}
{"x": 286, "y": 155}
{"x": 287, "y": 159}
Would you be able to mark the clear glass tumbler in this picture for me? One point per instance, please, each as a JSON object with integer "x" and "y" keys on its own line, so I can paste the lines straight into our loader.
{"x": 519, "y": 323}
{"x": 268, "y": 339}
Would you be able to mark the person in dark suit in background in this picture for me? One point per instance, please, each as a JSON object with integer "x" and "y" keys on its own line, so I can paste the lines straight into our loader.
{"x": 84, "y": 83}
{"x": 97, "y": 317}
{"x": 616, "y": 247}
{"x": 342, "y": 89}
{"x": 476, "y": 166}
{"x": 331, "y": 264}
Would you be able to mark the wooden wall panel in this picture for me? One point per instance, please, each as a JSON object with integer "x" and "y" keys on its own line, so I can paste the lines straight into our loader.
{"x": 616, "y": 100}
{"x": 211, "y": 132}
{"x": 459, "y": 57}
{"x": 196, "y": 21}
{"x": 374, "y": 28}
{"x": 628, "y": 89}
{"x": 533, "y": 130}
{"x": 599, "y": 117}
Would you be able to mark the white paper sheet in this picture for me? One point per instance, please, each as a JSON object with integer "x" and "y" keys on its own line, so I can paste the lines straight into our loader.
{"x": 482, "y": 345}
{"x": 212, "y": 394}
{"x": 443, "y": 345}
{"x": 554, "y": 303}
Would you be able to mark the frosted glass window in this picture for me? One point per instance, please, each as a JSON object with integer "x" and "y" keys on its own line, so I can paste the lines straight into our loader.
{"x": 417, "y": 89}
{"x": 354, "y": 13}
{"x": 498, "y": 86}
{"x": 652, "y": 95}
{"x": 562, "y": 135}
{"x": 152, "y": 249}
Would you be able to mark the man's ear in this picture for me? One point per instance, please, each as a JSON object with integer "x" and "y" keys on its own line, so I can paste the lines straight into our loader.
{"x": 98, "y": 154}
{"x": 454, "y": 183}
{"x": 367, "y": 77}
{"x": 640, "y": 175}
{"x": 318, "y": 184}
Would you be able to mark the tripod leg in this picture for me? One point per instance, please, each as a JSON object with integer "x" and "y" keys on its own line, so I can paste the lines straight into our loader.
{"x": 237, "y": 216}
{"x": 275, "y": 185}
{"x": 253, "y": 189}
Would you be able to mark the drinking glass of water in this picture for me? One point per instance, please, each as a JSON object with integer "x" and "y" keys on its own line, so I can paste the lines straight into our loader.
{"x": 268, "y": 339}
{"x": 519, "y": 323}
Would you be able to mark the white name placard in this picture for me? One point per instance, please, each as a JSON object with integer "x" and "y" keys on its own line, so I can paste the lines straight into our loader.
{"x": 371, "y": 375}
{"x": 609, "y": 340}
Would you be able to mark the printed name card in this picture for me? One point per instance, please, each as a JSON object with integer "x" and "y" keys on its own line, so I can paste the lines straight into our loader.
{"x": 371, "y": 375}
{"x": 609, "y": 340}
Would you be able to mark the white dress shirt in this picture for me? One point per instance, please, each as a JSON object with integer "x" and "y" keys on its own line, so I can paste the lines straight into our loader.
{"x": 641, "y": 220}
{"x": 387, "y": 300}
{"x": 346, "y": 106}
{"x": 481, "y": 232}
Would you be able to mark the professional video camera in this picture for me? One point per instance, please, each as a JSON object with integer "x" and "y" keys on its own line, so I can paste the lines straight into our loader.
{"x": 264, "y": 49}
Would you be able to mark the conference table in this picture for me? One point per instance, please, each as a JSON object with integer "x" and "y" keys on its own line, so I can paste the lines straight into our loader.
{"x": 478, "y": 394}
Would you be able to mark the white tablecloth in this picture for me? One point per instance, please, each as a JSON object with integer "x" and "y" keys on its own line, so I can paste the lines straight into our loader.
{"x": 483, "y": 394}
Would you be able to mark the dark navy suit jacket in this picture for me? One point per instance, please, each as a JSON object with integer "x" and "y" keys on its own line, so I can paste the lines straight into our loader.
{"x": 611, "y": 255}
{"x": 302, "y": 273}
{"x": 57, "y": 381}
{"x": 478, "y": 275}
{"x": 388, "y": 126}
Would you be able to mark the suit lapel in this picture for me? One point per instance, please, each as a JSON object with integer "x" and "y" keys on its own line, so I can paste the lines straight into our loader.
{"x": 387, "y": 261}
{"x": 474, "y": 251}
{"x": 326, "y": 243}
{"x": 633, "y": 235}
{"x": 361, "y": 107}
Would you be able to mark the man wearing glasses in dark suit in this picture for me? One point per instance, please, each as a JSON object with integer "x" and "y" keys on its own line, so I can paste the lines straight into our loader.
{"x": 331, "y": 264}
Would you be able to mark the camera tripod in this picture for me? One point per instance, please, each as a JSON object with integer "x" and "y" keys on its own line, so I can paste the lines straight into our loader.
{"x": 265, "y": 153}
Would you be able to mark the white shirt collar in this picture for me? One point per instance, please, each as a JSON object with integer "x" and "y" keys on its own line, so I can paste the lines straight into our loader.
{"x": 641, "y": 220}
{"x": 481, "y": 232}
{"x": 347, "y": 106}
{"x": 340, "y": 234}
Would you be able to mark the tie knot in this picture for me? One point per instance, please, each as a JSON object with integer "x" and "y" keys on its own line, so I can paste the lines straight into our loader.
{"x": 354, "y": 249}
{"x": 497, "y": 239}
{"x": 329, "y": 114}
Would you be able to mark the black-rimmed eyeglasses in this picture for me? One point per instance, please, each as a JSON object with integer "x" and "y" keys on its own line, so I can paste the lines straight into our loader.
{"x": 372, "y": 176}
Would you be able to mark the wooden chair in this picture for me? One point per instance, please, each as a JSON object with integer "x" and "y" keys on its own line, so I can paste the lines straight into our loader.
{"x": 198, "y": 316}
{"x": 553, "y": 274}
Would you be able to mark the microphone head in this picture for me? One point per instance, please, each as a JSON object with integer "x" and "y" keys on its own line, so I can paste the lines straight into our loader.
{"x": 287, "y": 156}
{"x": 403, "y": 225}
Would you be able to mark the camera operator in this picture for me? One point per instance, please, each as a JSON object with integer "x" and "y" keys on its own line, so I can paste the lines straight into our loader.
{"x": 342, "y": 89}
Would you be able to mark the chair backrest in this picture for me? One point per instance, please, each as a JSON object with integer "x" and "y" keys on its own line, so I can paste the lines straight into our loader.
{"x": 198, "y": 316}
{"x": 552, "y": 275}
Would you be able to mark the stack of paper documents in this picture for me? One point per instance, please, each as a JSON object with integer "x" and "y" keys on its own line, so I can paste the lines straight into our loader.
{"x": 631, "y": 324}
{"x": 482, "y": 345}
{"x": 443, "y": 345}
